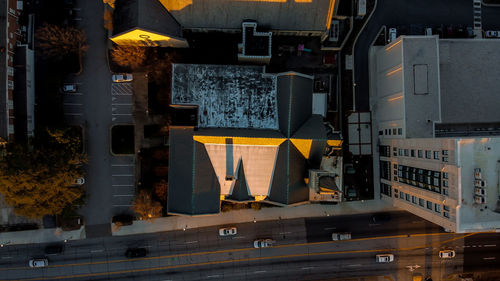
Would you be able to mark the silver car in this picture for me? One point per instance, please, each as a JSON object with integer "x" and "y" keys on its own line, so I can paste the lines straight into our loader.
{"x": 122, "y": 77}
{"x": 38, "y": 263}
{"x": 263, "y": 243}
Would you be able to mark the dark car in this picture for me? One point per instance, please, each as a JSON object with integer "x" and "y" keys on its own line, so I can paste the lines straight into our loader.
{"x": 136, "y": 252}
{"x": 54, "y": 249}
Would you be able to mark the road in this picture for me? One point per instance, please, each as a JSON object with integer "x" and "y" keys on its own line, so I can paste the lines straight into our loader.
{"x": 303, "y": 250}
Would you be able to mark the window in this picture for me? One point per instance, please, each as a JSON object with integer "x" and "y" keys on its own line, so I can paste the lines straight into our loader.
{"x": 396, "y": 193}
{"x": 445, "y": 191}
{"x": 420, "y": 153}
{"x": 444, "y": 152}
{"x": 436, "y": 155}
{"x": 395, "y": 172}
{"x": 412, "y": 153}
{"x": 429, "y": 205}
{"x": 446, "y": 215}
{"x": 385, "y": 189}
{"x": 400, "y": 131}
{"x": 389, "y": 132}
{"x": 10, "y": 70}
{"x": 445, "y": 175}
{"x": 11, "y": 84}
{"x": 421, "y": 202}
{"x": 394, "y": 131}
{"x": 406, "y": 152}
{"x": 401, "y": 195}
{"x": 445, "y": 159}
{"x": 386, "y": 132}
{"x": 385, "y": 170}
{"x": 400, "y": 152}
{"x": 413, "y": 199}
{"x": 445, "y": 183}
{"x": 395, "y": 166}
{"x": 446, "y": 208}
{"x": 428, "y": 154}
{"x": 385, "y": 150}
{"x": 407, "y": 197}
{"x": 437, "y": 208}
{"x": 381, "y": 132}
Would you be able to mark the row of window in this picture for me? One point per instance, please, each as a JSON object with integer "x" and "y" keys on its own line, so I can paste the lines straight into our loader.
{"x": 391, "y": 132}
{"x": 423, "y": 203}
{"x": 436, "y": 155}
{"x": 421, "y": 178}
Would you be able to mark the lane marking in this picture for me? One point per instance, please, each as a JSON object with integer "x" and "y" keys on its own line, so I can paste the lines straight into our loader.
{"x": 122, "y": 104}
{"x": 122, "y": 205}
{"x": 490, "y": 245}
{"x": 288, "y": 232}
{"x": 122, "y": 165}
{"x": 6, "y": 257}
{"x": 330, "y": 228}
{"x": 118, "y": 195}
{"x": 353, "y": 264}
{"x": 191, "y": 242}
{"x": 306, "y": 268}
{"x": 122, "y": 175}
{"x": 489, "y": 258}
{"x": 122, "y": 185}
{"x": 213, "y": 276}
{"x": 97, "y": 251}
{"x": 239, "y": 237}
{"x": 259, "y": 271}
{"x": 122, "y": 114}
{"x": 74, "y": 114}
{"x": 69, "y": 103}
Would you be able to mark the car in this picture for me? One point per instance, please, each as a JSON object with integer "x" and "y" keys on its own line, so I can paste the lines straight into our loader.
{"x": 492, "y": 34}
{"x": 392, "y": 34}
{"x": 54, "y": 249}
{"x": 122, "y": 77}
{"x": 79, "y": 181}
{"x": 447, "y": 254}
{"x": 263, "y": 243}
{"x": 69, "y": 88}
{"x": 341, "y": 236}
{"x": 384, "y": 258}
{"x": 40, "y": 262}
{"x": 136, "y": 252}
{"x": 228, "y": 231}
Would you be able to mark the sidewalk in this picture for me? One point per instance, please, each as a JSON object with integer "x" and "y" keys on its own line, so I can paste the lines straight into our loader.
{"x": 249, "y": 215}
{"x": 40, "y": 236}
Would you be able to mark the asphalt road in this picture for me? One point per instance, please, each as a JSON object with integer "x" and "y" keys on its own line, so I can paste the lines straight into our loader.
{"x": 302, "y": 251}
{"x": 393, "y": 13}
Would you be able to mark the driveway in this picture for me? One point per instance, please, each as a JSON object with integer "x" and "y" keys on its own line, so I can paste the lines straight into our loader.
{"x": 393, "y": 13}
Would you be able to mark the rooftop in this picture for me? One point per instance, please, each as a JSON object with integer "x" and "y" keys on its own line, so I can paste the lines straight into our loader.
{"x": 228, "y": 96}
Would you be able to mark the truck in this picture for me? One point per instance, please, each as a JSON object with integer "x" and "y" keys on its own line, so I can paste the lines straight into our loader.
{"x": 341, "y": 236}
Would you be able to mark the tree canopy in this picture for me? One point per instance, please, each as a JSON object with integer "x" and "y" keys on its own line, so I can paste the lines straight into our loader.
{"x": 145, "y": 207}
{"x": 58, "y": 42}
{"x": 40, "y": 180}
{"x": 129, "y": 56}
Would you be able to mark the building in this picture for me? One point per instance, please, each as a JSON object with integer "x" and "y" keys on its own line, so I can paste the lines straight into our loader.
{"x": 255, "y": 138}
{"x": 15, "y": 93}
{"x": 163, "y": 22}
{"x": 436, "y": 109}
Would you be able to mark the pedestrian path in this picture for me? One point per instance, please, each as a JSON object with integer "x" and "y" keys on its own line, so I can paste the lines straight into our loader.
{"x": 40, "y": 236}
{"x": 249, "y": 215}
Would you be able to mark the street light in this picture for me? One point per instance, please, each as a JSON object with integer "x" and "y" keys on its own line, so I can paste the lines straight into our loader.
{"x": 254, "y": 220}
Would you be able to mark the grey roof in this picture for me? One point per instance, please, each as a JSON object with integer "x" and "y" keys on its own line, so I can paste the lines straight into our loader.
{"x": 228, "y": 96}
{"x": 4, "y": 111}
{"x": 288, "y": 185}
{"x": 146, "y": 14}
{"x": 469, "y": 80}
{"x": 230, "y": 132}
{"x": 228, "y": 14}
{"x": 314, "y": 129}
{"x": 240, "y": 189}
{"x": 295, "y": 102}
{"x": 193, "y": 185}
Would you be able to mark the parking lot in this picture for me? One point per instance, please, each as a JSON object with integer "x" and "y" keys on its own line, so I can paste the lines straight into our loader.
{"x": 121, "y": 103}
{"x": 122, "y": 183}
{"x": 73, "y": 104}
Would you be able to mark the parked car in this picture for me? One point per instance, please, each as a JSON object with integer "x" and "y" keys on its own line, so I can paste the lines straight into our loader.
{"x": 54, "y": 249}
{"x": 136, "y": 252}
{"x": 263, "y": 243}
{"x": 79, "y": 181}
{"x": 392, "y": 34}
{"x": 40, "y": 262}
{"x": 341, "y": 236}
{"x": 447, "y": 254}
{"x": 228, "y": 231}
{"x": 122, "y": 77}
{"x": 384, "y": 258}
{"x": 69, "y": 88}
{"x": 492, "y": 34}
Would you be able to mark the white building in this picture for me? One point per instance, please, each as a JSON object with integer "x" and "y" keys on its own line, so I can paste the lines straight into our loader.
{"x": 437, "y": 111}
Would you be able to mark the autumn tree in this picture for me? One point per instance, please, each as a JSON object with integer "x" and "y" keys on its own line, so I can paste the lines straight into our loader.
{"x": 40, "y": 180}
{"x": 58, "y": 42}
{"x": 145, "y": 207}
{"x": 108, "y": 20}
{"x": 129, "y": 56}
{"x": 160, "y": 189}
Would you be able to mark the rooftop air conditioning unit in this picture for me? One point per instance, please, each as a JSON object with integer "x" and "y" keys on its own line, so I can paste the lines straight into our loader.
{"x": 480, "y": 191}
{"x": 479, "y": 199}
{"x": 479, "y": 183}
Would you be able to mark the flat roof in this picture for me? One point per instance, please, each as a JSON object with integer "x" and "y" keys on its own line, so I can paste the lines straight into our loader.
{"x": 228, "y": 96}
{"x": 313, "y": 15}
{"x": 470, "y": 83}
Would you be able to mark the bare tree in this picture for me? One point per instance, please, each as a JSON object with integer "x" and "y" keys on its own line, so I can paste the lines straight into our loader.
{"x": 58, "y": 42}
{"x": 145, "y": 207}
{"x": 129, "y": 56}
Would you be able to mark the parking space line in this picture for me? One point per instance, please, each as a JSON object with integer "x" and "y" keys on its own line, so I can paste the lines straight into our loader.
{"x": 122, "y": 185}
{"x": 122, "y": 205}
{"x": 123, "y": 195}
{"x": 122, "y": 104}
{"x": 74, "y": 114}
{"x": 122, "y": 114}
{"x": 122, "y": 165}
{"x": 123, "y": 175}
{"x": 69, "y": 103}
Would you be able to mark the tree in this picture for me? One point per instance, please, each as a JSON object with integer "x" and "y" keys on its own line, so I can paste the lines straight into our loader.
{"x": 145, "y": 207}
{"x": 160, "y": 189}
{"x": 108, "y": 20}
{"x": 39, "y": 180}
{"x": 59, "y": 42}
{"x": 129, "y": 56}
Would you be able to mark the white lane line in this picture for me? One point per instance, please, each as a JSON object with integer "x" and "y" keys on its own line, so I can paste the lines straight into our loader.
{"x": 473, "y": 246}
{"x": 239, "y": 237}
{"x": 122, "y": 104}
{"x": 4, "y": 258}
{"x": 330, "y": 228}
{"x": 191, "y": 242}
{"x": 467, "y": 246}
{"x": 74, "y": 114}
{"x": 122, "y": 165}
{"x": 213, "y": 276}
{"x": 490, "y": 245}
{"x": 69, "y": 103}
{"x": 259, "y": 271}
{"x": 354, "y": 264}
{"x": 288, "y": 232}
{"x": 306, "y": 268}
{"x": 97, "y": 251}
{"x": 122, "y": 114}
{"x": 122, "y": 185}
{"x": 122, "y": 175}
{"x": 489, "y": 258}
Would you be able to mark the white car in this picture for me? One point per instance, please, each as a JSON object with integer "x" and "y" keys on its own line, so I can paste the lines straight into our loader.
{"x": 38, "y": 262}
{"x": 263, "y": 243}
{"x": 392, "y": 34}
{"x": 384, "y": 258}
{"x": 341, "y": 236}
{"x": 123, "y": 77}
{"x": 493, "y": 34}
{"x": 79, "y": 181}
{"x": 228, "y": 231}
{"x": 447, "y": 254}
{"x": 69, "y": 88}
